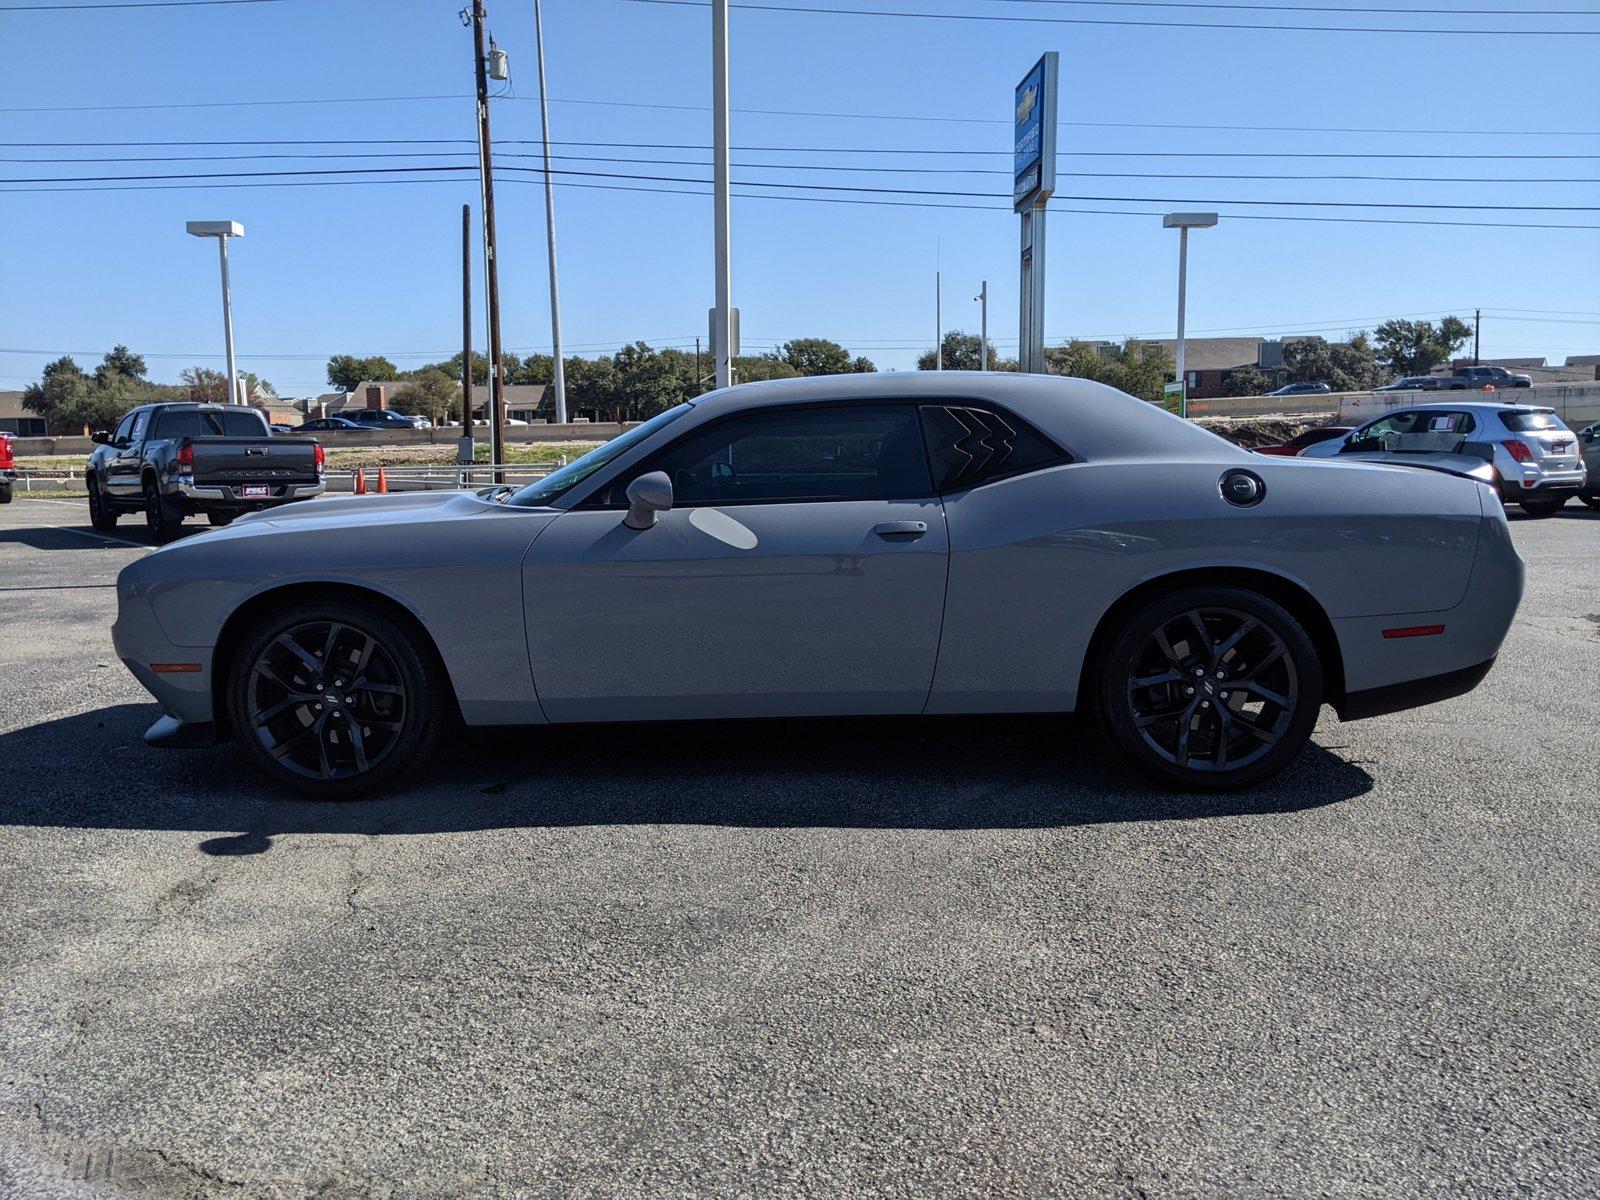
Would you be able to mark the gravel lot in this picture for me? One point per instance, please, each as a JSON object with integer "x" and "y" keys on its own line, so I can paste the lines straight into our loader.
{"x": 827, "y": 959}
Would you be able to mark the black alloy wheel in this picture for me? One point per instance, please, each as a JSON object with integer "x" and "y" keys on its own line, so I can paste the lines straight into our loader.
{"x": 334, "y": 700}
{"x": 1211, "y": 688}
{"x": 101, "y": 515}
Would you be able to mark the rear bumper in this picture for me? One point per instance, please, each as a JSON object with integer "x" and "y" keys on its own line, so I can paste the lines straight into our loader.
{"x": 1567, "y": 484}
{"x": 225, "y": 494}
{"x": 1396, "y": 697}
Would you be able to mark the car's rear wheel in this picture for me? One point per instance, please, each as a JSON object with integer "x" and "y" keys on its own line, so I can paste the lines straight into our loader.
{"x": 1543, "y": 508}
{"x": 160, "y": 514}
{"x": 335, "y": 700}
{"x": 220, "y": 518}
{"x": 1592, "y": 499}
{"x": 101, "y": 515}
{"x": 1210, "y": 688}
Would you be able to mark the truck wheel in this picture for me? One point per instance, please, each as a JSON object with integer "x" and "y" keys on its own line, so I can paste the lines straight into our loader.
{"x": 160, "y": 514}
{"x": 101, "y": 515}
{"x": 5, "y": 493}
{"x": 221, "y": 518}
{"x": 1592, "y": 499}
{"x": 335, "y": 700}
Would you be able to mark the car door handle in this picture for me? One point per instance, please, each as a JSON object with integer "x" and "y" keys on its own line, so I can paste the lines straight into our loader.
{"x": 900, "y": 528}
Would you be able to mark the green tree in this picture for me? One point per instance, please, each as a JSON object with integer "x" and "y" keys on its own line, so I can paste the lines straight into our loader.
{"x": 962, "y": 353}
{"x": 346, "y": 370}
{"x": 819, "y": 356}
{"x": 70, "y": 401}
{"x": 1247, "y": 381}
{"x": 431, "y": 393}
{"x": 121, "y": 361}
{"x": 765, "y": 366}
{"x": 1416, "y": 347}
{"x": 1348, "y": 366}
{"x": 1137, "y": 367}
{"x": 650, "y": 381}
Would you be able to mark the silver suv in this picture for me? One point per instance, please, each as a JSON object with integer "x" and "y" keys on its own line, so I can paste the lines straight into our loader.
{"x": 1536, "y": 458}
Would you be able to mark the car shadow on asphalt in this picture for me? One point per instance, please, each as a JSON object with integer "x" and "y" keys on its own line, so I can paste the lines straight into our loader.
{"x": 879, "y": 773}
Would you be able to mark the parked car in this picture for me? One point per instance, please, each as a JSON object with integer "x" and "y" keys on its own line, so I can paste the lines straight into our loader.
{"x": 385, "y": 418}
{"x": 1589, "y": 442}
{"x": 278, "y": 427}
{"x": 1306, "y": 437}
{"x": 326, "y": 425}
{"x": 8, "y": 468}
{"x": 1534, "y": 455}
{"x": 1471, "y": 378}
{"x": 850, "y": 545}
{"x": 1303, "y": 389}
{"x": 174, "y": 460}
{"x": 1412, "y": 383}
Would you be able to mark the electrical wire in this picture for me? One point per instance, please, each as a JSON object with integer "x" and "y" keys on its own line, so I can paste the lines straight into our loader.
{"x": 1331, "y": 8}
{"x": 799, "y": 9}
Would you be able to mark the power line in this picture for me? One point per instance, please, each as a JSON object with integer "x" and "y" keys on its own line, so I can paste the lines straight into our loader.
{"x": 1299, "y": 8}
{"x": 1038, "y": 20}
{"x": 145, "y": 4}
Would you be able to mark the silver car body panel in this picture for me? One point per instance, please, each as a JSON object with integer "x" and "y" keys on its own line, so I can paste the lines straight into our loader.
{"x": 563, "y": 613}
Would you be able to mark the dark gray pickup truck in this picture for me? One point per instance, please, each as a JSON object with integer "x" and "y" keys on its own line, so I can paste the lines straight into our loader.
{"x": 173, "y": 460}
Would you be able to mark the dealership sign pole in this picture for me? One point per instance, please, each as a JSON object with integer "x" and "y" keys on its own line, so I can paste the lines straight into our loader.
{"x": 1034, "y": 167}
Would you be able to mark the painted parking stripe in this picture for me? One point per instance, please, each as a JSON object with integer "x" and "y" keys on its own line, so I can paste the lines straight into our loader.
{"x": 99, "y": 537}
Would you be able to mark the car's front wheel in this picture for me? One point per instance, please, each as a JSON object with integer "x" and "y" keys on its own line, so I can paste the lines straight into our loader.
{"x": 1543, "y": 508}
{"x": 101, "y": 515}
{"x": 334, "y": 699}
{"x": 1210, "y": 688}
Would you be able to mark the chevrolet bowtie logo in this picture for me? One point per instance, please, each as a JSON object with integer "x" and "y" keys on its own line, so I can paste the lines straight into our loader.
{"x": 1025, "y": 108}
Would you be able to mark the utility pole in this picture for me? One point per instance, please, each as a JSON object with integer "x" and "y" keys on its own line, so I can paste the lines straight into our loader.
{"x": 722, "y": 322}
{"x": 465, "y": 448}
{"x": 491, "y": 266}
{"x": 983, "y": 327}
{"x": 558, "y": 378}
{"x": 1477, "y": 335}
{"x": 938, "y": 323}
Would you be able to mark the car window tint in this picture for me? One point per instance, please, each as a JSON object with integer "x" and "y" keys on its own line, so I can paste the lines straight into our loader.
{"x": 968, "y": 445}
{"x": 124, "y": 430}
{"x": 200, "y": 423}
{"x": 1530, "y": 422}
{"x": 854, "y": 453}
{"x": 140, "y": 421}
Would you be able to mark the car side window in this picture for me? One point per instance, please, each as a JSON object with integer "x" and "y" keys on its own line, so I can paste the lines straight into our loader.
{"x": 792, "y": 455}
{"x": 124, "y": 431}
{"x": 969, "y": 445}
{"x": 140, "y": 422}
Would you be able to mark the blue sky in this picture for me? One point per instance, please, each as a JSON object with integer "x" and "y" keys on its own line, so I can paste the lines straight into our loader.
{"x": 374, "y": 268}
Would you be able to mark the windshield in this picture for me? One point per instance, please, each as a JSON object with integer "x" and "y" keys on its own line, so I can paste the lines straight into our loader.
{"x": 575, "y": 472}
{"x": 1530, "y": 422}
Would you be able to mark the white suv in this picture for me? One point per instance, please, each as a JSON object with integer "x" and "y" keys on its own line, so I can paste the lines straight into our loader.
{"x": 1536, "y": 457}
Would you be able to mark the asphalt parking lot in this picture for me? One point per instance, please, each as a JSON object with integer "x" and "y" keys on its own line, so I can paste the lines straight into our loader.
{"x": 822, "y": 959}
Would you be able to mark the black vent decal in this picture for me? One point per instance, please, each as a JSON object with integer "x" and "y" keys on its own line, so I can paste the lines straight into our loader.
{"x": 985, "y": 443}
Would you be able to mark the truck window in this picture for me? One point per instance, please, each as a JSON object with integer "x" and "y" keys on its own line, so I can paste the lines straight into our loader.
{"x": 239, "y": 422}
{"x": 140, "y": 421}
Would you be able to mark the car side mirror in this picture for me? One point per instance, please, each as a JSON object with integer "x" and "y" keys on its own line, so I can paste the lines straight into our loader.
{"x": 648, "y": 495}
{"x": 100, "y": 437}
{"x": 1361, "y": 445}
{"x": 1589, "y": 434}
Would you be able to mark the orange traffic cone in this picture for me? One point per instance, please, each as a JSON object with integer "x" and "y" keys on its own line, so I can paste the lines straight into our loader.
{"x": 383, "y": 483}
{"x": 361, "y": 481}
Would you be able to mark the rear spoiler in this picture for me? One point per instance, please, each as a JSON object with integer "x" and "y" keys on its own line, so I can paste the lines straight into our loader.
{"x": 1473, "y": 460}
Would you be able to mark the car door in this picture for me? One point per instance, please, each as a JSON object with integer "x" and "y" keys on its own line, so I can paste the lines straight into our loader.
{"x": 127, "y": 455}
{"x": 800, "y": 572}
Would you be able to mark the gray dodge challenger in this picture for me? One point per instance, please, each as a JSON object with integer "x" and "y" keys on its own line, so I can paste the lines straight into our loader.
{"x": 904, "y": 543}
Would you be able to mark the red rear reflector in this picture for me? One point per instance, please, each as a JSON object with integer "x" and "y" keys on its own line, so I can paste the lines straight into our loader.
{"x": 189, "y": 668}
{"x": 1414, "y": 631}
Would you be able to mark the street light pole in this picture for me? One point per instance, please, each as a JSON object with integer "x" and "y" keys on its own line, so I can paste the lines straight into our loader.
{"x": 558, "y": 377}
{"x": 722, "y": 322}
{"x": 983, "y": 326}
{"x": 1183, "y": 222}
{"x": 222, "y": 231}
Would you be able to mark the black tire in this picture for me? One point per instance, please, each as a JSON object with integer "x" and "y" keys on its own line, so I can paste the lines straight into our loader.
{"x": 1592, "y": 499}
{"x": 5, "y": 493}
{"x": 1543, "y": 508}
{"x": 1212, "y": 714}
{"x": 101, "y": 515}
{"x": 220, "y": 519}
{"x": 336, "y": 742}
{"x": 160, "y": 514}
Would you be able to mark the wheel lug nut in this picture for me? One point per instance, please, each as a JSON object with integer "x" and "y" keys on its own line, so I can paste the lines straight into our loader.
{"x": 319, "y": 707}
{"x": 1188, "y": 691}
{"x": 1198, "y": 672}
{"x": 349, "y": 699}
{"x": 1222, "y": 674}
{"x": 1205, "y": 704}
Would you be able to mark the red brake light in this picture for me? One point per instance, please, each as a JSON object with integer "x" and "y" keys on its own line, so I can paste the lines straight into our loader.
{"x": 186, "y": 455}
{"x": 1518, "y": 450}
{"x": 322, "y": 458}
